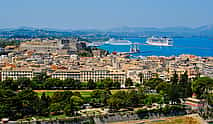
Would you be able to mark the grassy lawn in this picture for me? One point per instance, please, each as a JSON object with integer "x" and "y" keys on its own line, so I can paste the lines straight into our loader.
{"x": 84, "y": 93}
{"x": 50, "y": 93}
{"x": 47, "y": 93}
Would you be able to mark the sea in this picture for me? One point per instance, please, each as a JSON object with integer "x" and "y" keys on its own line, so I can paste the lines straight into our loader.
{"x": 198, "y": 46}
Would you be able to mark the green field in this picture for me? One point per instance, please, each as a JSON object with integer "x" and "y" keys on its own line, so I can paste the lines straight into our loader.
{"x": 84, "y": 93}
{"x": 50, "y": 93}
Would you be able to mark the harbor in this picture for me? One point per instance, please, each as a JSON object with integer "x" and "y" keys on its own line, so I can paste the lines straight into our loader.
{"x": 195, "y": 46}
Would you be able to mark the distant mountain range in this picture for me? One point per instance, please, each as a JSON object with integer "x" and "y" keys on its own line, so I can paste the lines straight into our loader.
{"x": 202, "y": 31}
{"x": 33, "y": 33}
{"x": 206, "y": 30}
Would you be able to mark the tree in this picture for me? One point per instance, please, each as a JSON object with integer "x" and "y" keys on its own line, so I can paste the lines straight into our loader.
{"x": 185, "y": 86}
{"x": 162, "y": 87}
{"x": 107, "y": 83}
{"x": 69, "y": 110}
{"x": 99, "y": 97}
{"x": 153, "y": 98}
{"x": 44, "y": 104}
{"x": 133, "y": 98}
{"x": 84, "y": 85}
{"x": 74, "y": 105}
{"x": 116, "y": 85}
{"x": 173, "y": 93}
{"x": 128, "y": 82}
{"x": 69, "y": 83}
{"x": 100, "y": 85}
{"x": 118, "y": 100}
{"x": 91, "y": 84}
{"x": 53, "y": 83}
{"x": 114, "y": 103}
{"x": 202, "y": 86}
{"x": 10, "y": 104}
{"x": 61, "y": 97}
{"x": 39, "y": 80}
{"x": 137, "y": 85}
{"x": 140, "y": 75}
{"x": 184, "y": 78}
{"x": 153, "y": 82}
{"x": 9, "y": 83}
{"x": 174, "y": 79}
{"x": 24, "y": 83}
{"x": 77, "y": 101}
{"x": 55, "y": 108}
{"x": 30, "y": 102}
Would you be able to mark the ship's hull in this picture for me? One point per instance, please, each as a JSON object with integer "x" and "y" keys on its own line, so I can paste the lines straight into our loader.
{"x": 120, "y": 43}
{"x": 162, "y": 41}
{"x": 158, "y": 44}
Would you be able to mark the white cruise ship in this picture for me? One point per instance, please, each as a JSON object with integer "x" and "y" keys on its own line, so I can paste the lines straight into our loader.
{"x": 112, "y": 41}
{"x": 162, "y": 41}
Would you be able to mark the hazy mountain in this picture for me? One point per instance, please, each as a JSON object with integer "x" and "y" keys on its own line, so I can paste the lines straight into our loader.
{"x": 132, "y": 29}
{"x": 166, "y": 29}
{"x": 204, "y": 31}
{"x": 28, "y": 32}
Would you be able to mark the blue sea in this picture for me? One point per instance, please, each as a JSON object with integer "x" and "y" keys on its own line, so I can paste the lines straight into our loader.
{"x": 195, "y": 46}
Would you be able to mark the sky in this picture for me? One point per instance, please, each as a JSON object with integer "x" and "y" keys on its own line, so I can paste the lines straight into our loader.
{"x": 105, "y": 14}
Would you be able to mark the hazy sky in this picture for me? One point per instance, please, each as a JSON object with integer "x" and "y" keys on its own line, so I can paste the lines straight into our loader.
{"x": 83, "y": 14}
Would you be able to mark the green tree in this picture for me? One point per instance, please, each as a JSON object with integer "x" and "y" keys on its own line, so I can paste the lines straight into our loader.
{"x": 100, "y": 85}
{"x": 44, "y": 104}
{"x": 24, "y": 83}
{"x": 99, "y": 97}
{"x": 185, "y": 86}
{"x": 69, "y": 109}
{"x": 133, "y": 98}
{"x": 10, "y": 105}
{"x": 128, "y": 82}
{"x": 174, "y": 79}
{"x": 53, "y": 83}
{"x": 202, "y": 86}
{"x": 30, "y": 102}
{"x": 162, "y": 87}
{"x": 152, "y": 83}
{"x": 118, "y": 100}
{"x": 115, "y": 103}
{"x": 184, "y": 78}
{"x": 107, "y": 83}
{"x": 9, "y": 83}
{"x": 61, "y": 97}
{"x": 61, "y": 101}
{"x": 153, "y": 99}
{"x": 73, "y": 106}
{"x": 69, "y": 83}
{"x": 91, "y": 84}
{"x": 39, "y": 80}
{"x": 116, "y": 85}
{"x": 173, "y": 93}
{"x": 140, "y": 75}
{"x": 84, "y": 85}
{"x": 55, "y": 108}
